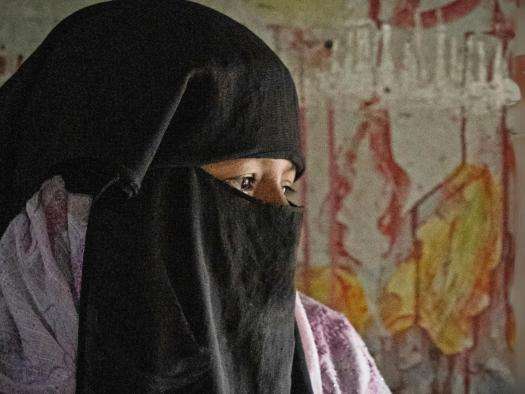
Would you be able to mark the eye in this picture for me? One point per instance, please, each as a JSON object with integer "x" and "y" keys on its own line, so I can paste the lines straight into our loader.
{"x": 247, "y": 183}
{"x": 244, "y": 183}
{"x": 288, "y": 190}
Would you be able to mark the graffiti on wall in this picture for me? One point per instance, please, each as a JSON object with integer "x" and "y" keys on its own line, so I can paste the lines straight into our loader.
{"x": 409, "y": 190}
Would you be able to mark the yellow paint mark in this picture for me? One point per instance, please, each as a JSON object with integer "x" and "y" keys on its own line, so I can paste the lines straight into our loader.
{"x": 460, "y": 247}
{"x": 397, "y": 307}
{"x": 338, "y": 288}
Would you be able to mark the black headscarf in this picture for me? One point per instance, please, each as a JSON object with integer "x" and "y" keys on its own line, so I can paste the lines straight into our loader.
{"x": 187, "y": 282}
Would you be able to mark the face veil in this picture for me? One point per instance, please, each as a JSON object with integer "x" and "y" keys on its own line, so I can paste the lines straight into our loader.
{"x": 187, "y": 283}
{"x": 189, "y": 288}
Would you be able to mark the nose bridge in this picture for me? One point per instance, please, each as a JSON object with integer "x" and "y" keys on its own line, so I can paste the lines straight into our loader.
{"x": 271, "y": 192}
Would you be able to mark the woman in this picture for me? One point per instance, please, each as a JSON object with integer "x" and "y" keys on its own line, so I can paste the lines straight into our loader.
{"x": 138, "y": 117}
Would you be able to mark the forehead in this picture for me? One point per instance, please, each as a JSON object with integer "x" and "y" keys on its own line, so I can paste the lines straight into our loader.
{"x": 252, "y": 165}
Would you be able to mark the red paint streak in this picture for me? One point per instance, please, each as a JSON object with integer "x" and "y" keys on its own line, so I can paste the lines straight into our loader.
{"x": 451, "y": 190}
{"x": 518, "y": 72}
{"x": 345, "y": 287}
{"x": 509, "y": 166}
{"x": 339, "y": 188}
{"x": 375, "y": 129}
{"x": 332, "y": 174}
{"x": 466, "y": 372}
{"x": 300, "y": 41}
{"x": 502, "y": 27}
{"x": 313, "y": 51}
{"x": 379, "y": 134}
{"x": 374, "y": 8}
{"x": 404, "y": 14}
{"x": 381, "y": 144}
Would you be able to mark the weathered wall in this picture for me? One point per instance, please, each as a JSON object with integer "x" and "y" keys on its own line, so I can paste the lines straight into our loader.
{"x": 410, "y": 226}
{"x": 517, "y": 125}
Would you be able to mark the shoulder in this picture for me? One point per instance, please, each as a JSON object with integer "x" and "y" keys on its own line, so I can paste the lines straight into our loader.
{"x": 321, "y": 316}
{"x": 343, "y": 356}
{"x": 331, "y": 327}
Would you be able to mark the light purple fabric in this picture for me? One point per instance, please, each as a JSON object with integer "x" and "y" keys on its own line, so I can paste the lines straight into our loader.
{"x": 345, "y": 364}
{"x": 40, "y": 274}
{"x": 40, "y": 257}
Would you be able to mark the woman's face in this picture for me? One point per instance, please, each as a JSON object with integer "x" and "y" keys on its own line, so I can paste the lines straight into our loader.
{"x": 269, "y": 180}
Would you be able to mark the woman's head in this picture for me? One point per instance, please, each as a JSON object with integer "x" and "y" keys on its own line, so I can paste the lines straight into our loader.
{"x": 189, "y": 87}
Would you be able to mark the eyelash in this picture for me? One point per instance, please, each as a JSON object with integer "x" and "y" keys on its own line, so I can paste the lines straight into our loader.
{"x": 239, "y": 181}
{"x": 289, "y": 190}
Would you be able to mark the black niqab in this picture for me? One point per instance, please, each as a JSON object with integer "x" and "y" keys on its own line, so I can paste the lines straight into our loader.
{"x": 209, "y": 303}
{"x": 187, "y": 282}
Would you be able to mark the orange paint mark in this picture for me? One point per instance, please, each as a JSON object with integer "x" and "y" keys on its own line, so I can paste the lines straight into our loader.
{"x": 340, "y": 289}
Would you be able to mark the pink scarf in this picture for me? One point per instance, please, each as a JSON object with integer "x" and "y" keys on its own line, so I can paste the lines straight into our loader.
{"x": 40, "y": 274}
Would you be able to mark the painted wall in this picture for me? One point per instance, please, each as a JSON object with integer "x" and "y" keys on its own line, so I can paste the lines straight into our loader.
{"x": 410, "y": 226}
{"x": 517, "y": 125}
